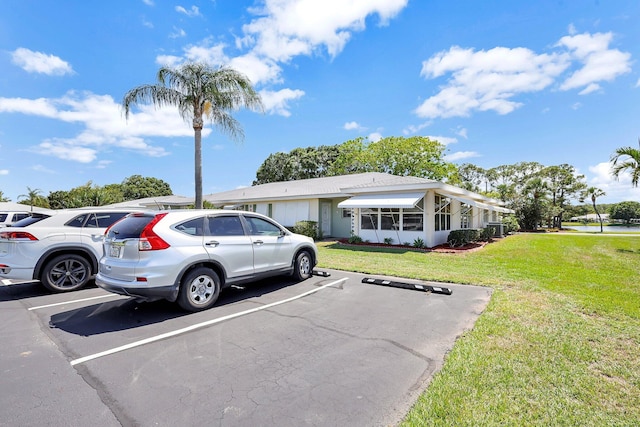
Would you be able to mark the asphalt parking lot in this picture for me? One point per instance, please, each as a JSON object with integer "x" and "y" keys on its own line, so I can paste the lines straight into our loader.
{"x": 325, "y": 352}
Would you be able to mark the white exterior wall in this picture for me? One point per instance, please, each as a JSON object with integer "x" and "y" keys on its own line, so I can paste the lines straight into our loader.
{"x": 288, "y": 213}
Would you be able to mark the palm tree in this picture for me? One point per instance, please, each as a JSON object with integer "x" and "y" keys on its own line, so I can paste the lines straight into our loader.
{"x": 198, "y": 91}
{"x": 627, "y": 159}
{"x": 594, "y": 193}
{"x": 33, "y": 196}
{"x": 3, "y": 198}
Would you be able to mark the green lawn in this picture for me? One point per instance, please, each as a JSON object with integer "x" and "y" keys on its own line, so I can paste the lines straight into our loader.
{"x": 559, "y": 343}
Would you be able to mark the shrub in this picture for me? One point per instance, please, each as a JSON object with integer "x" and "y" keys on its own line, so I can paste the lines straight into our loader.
{"x": 463, "y": 237}
{"x": 388, "y": 241}
{"x": 510, "y": 224}
{"x": 487, "y": 234}
{"x": 418, "y": 243}
{"x": 307, "y": 228}
{"x": 354, "y": 239}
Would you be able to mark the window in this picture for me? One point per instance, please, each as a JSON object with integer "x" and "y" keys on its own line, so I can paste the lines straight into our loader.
{"x": 389, "y": 219}
{"x": 413, "y": 218}
{"x": 443, "y": 213}
{"x": 369, "y": 219}
{"x": 466, "y": 215}
{"x": 261, "y": 227}
{"x": 193, "y": 227}
{"x": 346, "y": 213}
{"x": 225, "y": 226}
{"x": 19, "y": 216}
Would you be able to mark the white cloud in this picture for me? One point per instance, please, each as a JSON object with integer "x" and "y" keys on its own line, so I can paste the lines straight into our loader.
{"x": 278, "y": 102}
{"x": 413, "y": 129}
{"x": 486, "y": 80}
{"x": 600, "y": 63}
{"x": 42, "y": 168}
{"x": 38, "y": 62}
{"x": 490, "y": 80}
{"x": 352, "y": 126}
{"x": 444, "y": 140}
{"x": 460, "y": 155}
{"x": 616, "y": 191}
{"x": 103, "y": 125}
{"x": 177, "y": 33}
{"x": 288, "y": 28}
{"x": 375, "y": 136}
{"x": 4, "y": 171}
{"x": 462, "y": 132}
{"x": 148, "y": 2}
{"x": 194, "y": 11}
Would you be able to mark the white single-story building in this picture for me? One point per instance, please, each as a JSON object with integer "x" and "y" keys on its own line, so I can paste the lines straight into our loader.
{"x": 375, "y": 206}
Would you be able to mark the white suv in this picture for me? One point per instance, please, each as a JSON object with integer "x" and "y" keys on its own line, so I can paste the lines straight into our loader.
{"x": 62, "y": 251}
{"x": 189, "y": 256}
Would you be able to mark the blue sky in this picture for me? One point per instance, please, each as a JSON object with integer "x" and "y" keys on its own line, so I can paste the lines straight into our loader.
{"x": 498, "y": 82}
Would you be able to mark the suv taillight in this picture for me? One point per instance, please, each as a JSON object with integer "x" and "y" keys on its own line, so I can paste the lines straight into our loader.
{"x": 149, "y": 240}
{"x": 17, "y": 235}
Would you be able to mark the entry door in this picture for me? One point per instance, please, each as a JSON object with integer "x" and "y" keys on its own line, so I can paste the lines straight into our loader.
{"x": 325, "y": 219}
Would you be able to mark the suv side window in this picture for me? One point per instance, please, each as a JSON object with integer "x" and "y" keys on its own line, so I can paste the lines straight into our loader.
{"x": 261, "y": 227}
{"x": 104, "y": 219}
{"x": 225, "y": 226}
{"x": 193, "y": 227}
{"x": 77, "y": 221}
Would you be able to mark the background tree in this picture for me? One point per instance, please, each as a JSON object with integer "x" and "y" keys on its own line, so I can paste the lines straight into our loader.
{"x": 139, "y": 187}
{"x": 299, "y": 163}
{"x": 199, "y": 91}
{"x": 415, "y": 156}
{"x": 625, "y": 211}
{"x": 593, "y": 193}
{"x": 3, "y": 198}
{"x": 627, "y": 159}
{"x": 33, "y": 198}
{"x": 564, "y": 184}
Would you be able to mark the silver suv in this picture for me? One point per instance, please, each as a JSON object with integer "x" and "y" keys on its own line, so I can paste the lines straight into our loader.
{"x": 61, "y": 249}
{"x": 190, "y": 256}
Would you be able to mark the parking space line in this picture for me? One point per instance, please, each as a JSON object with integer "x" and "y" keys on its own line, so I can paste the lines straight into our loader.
{"x": 201, "y": 325}
{"x": 73, "y": 301}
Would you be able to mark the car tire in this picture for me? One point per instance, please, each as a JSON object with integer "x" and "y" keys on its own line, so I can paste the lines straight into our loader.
{"x": 199, "y": 289}
{"x": 302, "y": 266}
{"x": 66, "y": 273}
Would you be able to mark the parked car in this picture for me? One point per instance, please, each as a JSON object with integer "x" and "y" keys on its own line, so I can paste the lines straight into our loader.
{"x": 61, "y": 249}
{"x": 189, "y": 256}
{"x": 8, "y": 218}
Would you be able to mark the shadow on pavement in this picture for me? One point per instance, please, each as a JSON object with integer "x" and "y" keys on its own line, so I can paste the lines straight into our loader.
{"x": 128, "y": 313}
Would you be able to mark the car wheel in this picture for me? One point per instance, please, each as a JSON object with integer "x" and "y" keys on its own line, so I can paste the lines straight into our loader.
{"x": 66, "y": 273}
{"x": 199, "y": 289}
{"x": 302, "y": 267}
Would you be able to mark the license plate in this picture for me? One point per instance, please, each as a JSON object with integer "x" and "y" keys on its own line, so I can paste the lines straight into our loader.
{"x": 115, "y": 251}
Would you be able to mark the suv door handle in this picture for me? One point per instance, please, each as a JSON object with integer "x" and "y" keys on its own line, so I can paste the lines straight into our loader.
{"x": 258, "y": 242}
{"x": 213, "y": 243}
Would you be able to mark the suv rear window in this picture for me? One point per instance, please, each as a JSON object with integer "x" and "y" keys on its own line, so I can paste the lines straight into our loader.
{"x": 130, "y": 227}
{"x": 96, "y": 220}
{"x": 3, "y": 217}
{"x": 30, "y": 220}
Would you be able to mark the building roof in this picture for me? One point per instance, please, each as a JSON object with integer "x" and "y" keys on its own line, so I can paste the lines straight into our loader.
{"x": 331, "y": 186}
{"x": 161, "y": 202}
{"x": 20, "y": 207}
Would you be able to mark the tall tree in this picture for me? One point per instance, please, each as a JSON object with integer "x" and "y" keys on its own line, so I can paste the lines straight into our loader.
{"x": 594, "y": 193}
{"x": 139, "y": 187}
{"x": 627, "y": 159}
{"x": 564, "y": 184}
{"x": 3, "y": 198}
{"x": 415, "y": 156}
{"x": 34, "y": 198}
{"x": 199, "y": 91}
{"x": 625, "y": 211}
